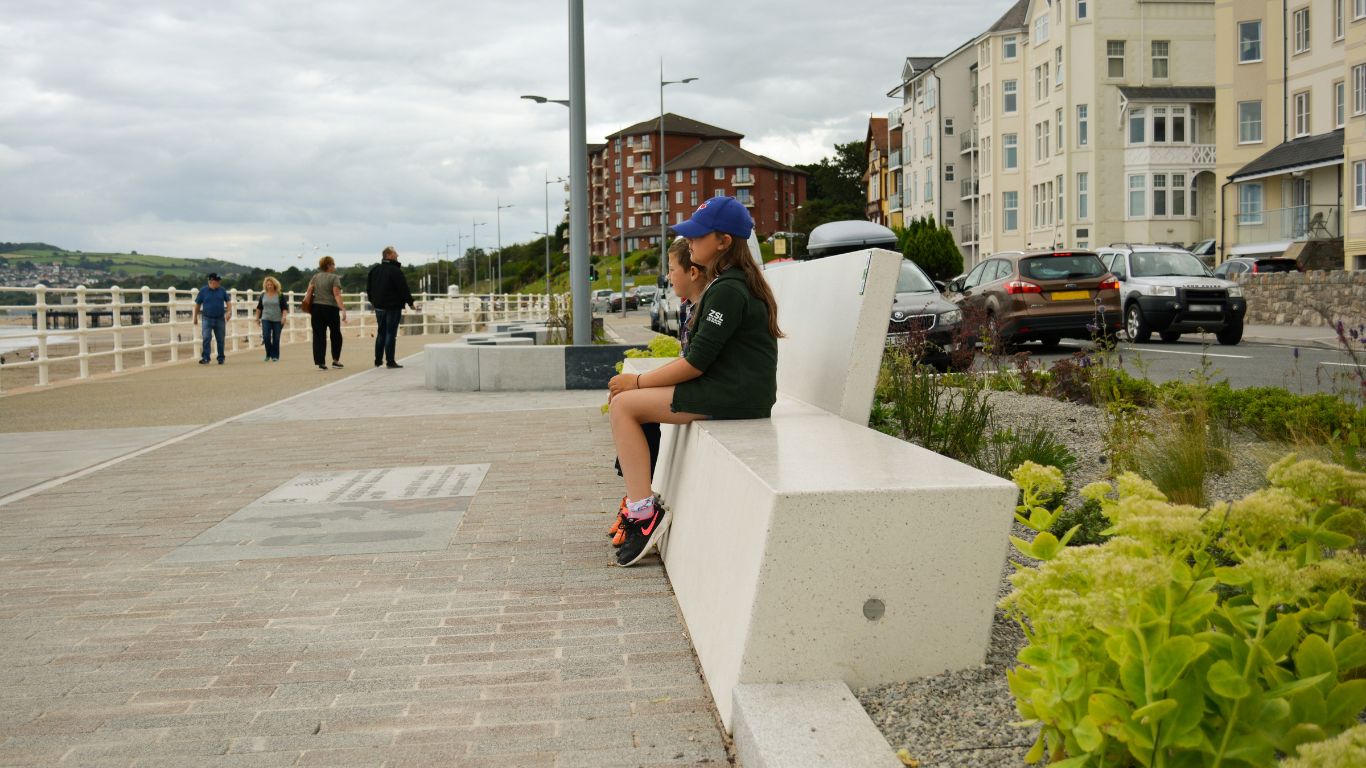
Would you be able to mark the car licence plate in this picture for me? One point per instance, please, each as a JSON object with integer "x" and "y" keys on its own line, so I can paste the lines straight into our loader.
{"x": 1070, "y": 295}
{"x": 1205, "y": 308}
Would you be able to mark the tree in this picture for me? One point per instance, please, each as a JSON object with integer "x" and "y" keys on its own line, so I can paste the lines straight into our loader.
{"x": 932, "y": 247}
{"x": 834, "y": 189}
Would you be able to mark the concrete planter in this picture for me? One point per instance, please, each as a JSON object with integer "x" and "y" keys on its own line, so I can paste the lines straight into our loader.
{"x": 458, "y": 367}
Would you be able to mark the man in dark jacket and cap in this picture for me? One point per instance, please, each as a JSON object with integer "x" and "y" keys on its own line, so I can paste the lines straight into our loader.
{"x": 388, "y": 292}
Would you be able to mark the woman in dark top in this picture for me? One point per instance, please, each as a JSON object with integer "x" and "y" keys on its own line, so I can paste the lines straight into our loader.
{"x": 329, "y": 312}
{"x": 730, "y": 371}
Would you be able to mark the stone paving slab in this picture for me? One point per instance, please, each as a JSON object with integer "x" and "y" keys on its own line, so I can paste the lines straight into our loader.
{"x": 516, "y": 644}
{"x": 30, "y": 458}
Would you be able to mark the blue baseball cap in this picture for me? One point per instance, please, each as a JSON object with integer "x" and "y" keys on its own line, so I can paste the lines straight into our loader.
{"x": 719, "y": 214}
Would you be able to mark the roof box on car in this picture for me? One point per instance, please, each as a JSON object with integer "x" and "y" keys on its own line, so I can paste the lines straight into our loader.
{"x": 845, "y": 236}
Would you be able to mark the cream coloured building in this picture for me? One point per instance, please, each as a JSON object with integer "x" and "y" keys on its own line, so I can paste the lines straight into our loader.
{"x": 1289, "y": 77}
{"x": 1089, "y": 123}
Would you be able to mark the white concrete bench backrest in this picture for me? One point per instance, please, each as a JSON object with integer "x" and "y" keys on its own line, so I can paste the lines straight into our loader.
{"x": 834, "y": 313}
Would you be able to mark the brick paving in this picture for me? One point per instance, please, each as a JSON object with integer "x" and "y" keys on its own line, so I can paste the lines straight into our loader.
{"x": 516, "y": 645}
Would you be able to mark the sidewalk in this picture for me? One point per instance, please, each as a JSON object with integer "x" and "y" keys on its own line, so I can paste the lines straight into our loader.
{"x": 1293, "y": 335}
{"x": 124, "y": 641}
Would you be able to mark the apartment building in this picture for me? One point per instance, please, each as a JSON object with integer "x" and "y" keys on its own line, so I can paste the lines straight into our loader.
{"x": 940, "y": 152}
{"x": 1289, "y": 78}
{"x": 1076, "y": 123}
{"x": 629, "y": 203}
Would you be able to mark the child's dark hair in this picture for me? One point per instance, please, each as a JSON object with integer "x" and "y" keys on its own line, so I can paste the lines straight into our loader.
{"x": 738, "y": 255}
{"x": 683, "y": 255}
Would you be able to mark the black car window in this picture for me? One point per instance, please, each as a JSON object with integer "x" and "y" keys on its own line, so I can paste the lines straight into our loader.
{"x": 912, "y": 280}
{"x": 1070, "y": 266}
{"x": 1117, "y": 266}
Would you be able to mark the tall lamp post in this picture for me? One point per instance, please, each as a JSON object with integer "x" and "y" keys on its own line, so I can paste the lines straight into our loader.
{"x": 447, "y": 266}
{"x": 499, "y": 217}
{"x": 663, "y": 190}
{"x": 578, "y": 175}
{"x": 474, "y": 244}
{"x": 548, "y": 182}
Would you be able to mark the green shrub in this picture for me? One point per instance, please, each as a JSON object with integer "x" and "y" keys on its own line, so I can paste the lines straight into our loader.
{"x": 1194, "y": 637}
{"x": 1346, "y": 750}
{"x": 922, "y": 407}
{"x": 1088, "y": 520}
{"x": 1009, "y": 448}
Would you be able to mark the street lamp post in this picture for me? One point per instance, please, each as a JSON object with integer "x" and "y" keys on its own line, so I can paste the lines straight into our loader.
{"x": 499, "y": 217}
{"x": 447, "y": 266}
{"x": 663, "y": 190}
{"x": 548, "y": 182}
{"x": 474, "y": 245}
{"x": 578, "y": 174}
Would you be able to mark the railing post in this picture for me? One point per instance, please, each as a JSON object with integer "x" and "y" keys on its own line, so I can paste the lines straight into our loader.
{"x": 146, "y": 305}
{"x": 116, "y": 323}
{"x": 291, "y": 301}
{"x": 172, "y": 317}
{"x": 426, "y": 316}
{"x": 231, "y": 320}
{"x": 82, "y": 326}
{"x": 40, "y": 328}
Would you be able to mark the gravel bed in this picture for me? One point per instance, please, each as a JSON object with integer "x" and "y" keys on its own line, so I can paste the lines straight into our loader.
{"x": 963, "y": 718}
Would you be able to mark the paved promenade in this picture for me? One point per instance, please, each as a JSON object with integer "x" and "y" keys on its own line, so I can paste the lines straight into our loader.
{"x": 461, "y": 614}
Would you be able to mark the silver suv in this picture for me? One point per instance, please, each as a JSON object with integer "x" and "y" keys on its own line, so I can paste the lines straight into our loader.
{"x": 1168, "y": 290}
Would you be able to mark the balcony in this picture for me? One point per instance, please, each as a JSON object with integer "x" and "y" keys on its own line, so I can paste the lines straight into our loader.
{"x": 745, "y": 200}
{"x": 1298, "y": 224}
{"x": 894, "y": 159}
{"x": 641, "y": 148}
{"x": 894, "y": 201}
{"x": 1196, "y": 157}
{"x": 742, "y": 180}
{"x": 968, "y": 188}
{"x": 646, "y": 185}
{"x": 967, "y": 141}
{"x": 967, "y": 234}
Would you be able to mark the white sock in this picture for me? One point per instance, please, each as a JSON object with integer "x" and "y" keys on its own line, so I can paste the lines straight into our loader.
{"x": 640, "y": 510}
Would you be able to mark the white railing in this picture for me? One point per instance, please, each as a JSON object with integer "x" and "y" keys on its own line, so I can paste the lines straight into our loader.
{"x": 68, "y": 329}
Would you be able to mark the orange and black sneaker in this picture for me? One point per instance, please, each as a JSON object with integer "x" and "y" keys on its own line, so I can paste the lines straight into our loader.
{"x": 615, "y": 530}
{"x": 643, "y": 535}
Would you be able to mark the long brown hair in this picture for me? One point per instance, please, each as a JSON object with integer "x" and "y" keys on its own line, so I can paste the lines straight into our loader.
{"x": 738, "y": 255}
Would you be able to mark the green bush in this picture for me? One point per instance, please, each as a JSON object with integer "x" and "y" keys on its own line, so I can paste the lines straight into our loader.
{"x": 1009, "y": 448}
{"x": 922, "y": 407}
{"x": 1194, "y": 637}
{"x": 1088, "y": 520}
{"x": 1346, "y": 750}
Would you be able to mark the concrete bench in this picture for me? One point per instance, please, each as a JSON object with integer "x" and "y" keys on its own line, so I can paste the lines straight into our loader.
{"x": 502, "y": 364}
{"x": 808, "y": 547}
{"x": 506, "y": 341}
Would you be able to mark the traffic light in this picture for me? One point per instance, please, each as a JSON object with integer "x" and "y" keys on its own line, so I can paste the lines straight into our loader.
{"x": 592, "y": 272}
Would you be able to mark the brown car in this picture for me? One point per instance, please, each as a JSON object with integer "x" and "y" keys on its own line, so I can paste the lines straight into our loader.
{"x": 1043, "y": 295}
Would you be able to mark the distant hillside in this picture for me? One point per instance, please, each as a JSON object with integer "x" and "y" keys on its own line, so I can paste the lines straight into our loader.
{"x": 119, "y": 264}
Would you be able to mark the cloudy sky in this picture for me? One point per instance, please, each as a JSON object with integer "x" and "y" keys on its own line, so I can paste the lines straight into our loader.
{"x": 263, "y": 131}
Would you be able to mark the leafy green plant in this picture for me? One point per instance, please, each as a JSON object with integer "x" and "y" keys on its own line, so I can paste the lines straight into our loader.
{"x": 1194, "y": 637}
{"x": 659, "y": 346}
{"x": 1088, "y": 521}
{"x": 952, "y": 421}
{"x": 1346, "y": 750}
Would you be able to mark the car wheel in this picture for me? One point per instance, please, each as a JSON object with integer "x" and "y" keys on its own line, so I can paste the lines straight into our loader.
{"x": 1050, "y": 341}
{"x": 1230, "y": 334}
{"x": 1135, "y": 327}
{"x": 1170, "y": 335}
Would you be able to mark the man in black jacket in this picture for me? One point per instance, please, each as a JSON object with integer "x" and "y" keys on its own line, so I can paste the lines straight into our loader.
{"x": 388, "y": 291}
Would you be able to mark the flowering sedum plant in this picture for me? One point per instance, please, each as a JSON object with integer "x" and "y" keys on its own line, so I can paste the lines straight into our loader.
{"x": 1195, "y": 637}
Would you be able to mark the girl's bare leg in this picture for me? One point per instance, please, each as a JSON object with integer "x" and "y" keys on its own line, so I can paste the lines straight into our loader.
{"x": 630, "y": 410}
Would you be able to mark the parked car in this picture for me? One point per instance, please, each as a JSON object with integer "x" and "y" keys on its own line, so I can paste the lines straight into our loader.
{"x": 1244, "y": 265}
{"x": 654, "y": 316}
{"x": 923, "y": 318}
{"x": 601, "y": 299}
{"x": 1044, "y": 295}
{"x": 614, "y": 303}
{"x": 1205, "y": 251}
{"x": 1169, "y": 291}
{"x": 646, "y": 294}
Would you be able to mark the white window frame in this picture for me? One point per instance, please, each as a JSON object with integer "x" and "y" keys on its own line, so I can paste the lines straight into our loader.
{"x": 1165, "y": 59}
{"x": 1359, "y": 89}
{"x": 1114, "y": 51}
{"x": 1358, "y": 9}
{"x": 1300, "y": 25}
{"x": 948, "y": 126}
{"x": 1138, "y": 116}
{"x": 1009, "y": 211}
{"x": 1057, "y": 67}
{"x": 1082, "y": 10}
{"x": 1339, "y": 19}
{"x": 1058, "y": 196}
{"x": 1083, "y": 129}
{"x": 1138, "y": 192}
{"x": 1058, "y": 120}
{"x": 1043, "y": 141}
{"x": 949, "y": 218}
{"x": 1359, "y": 185}
{"x": 1250, "y": 48}
{"x": 1158, "y": 184}
{"x": 1300, "y": 101}
{"x": 1339, "y": 103}
{"x": 719, "y": 173}
{"x": 1245, "y": 119}
{"x": 1177, "y": 190}
{"x": 949, "y": 171}
{"x": 1083, "y": 194}
{"x": 1041, "y": 28}
{"x": 1010, "y": 151}
{"x": 1250, "y": 206}
{"x": 1010, "y": 97}
{"x": 1010, "y": 47}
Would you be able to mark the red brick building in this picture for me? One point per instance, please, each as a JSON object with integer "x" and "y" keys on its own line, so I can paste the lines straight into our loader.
{"x": 702, "y": 161}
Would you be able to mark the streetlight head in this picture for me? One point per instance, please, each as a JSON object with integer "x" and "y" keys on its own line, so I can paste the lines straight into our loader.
{"x": 537, "y": 99}
{"x": 687, "y": 80}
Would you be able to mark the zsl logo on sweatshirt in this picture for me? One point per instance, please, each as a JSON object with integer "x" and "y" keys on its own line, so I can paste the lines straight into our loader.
{"x": 714, "y": 317}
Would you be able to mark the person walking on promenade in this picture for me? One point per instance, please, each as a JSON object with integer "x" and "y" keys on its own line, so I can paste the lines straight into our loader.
{"x": 214, "y": 306}
{"x": 688, "y": 280}
{"x": 388, "y": 292}
{"x": 271, "y": 310}
{"x": 730, "y": 372}
{"x": 328, "y": 312}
